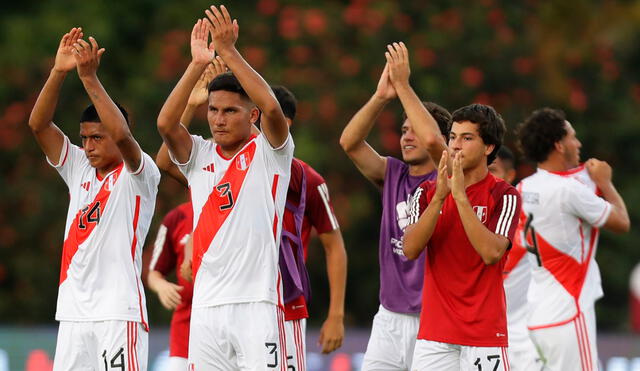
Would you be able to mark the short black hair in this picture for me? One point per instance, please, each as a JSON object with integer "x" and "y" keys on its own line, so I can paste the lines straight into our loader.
{"x": 90, "y": 114}
{"x": 227, "y": 82}
{"x": 505, "y": 154}
{"x": 490, "y": 124}
{"x": 287, "y": 101}
{"x": 539, "y": 133}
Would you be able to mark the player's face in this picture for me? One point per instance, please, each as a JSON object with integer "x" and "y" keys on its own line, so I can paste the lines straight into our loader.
{"x": 465, "y": 137}
{"x": 230, "y": 118}
{"x": 571, "y": 147}
{"x": 413, "y": 153}
{"x": 101, "y": 151}
{"x": 500, "y": 169}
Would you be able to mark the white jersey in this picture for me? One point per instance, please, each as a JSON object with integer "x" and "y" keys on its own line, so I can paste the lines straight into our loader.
{"x": 107, "y": 222}
{"x": 237, "y": 217}
{"x": 566, "y": 216}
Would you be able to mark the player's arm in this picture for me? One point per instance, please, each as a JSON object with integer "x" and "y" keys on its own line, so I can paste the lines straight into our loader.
{"x": 199, "y": 96}
{"x": 332, "y": 330}
{"x": 173, "y": 133}
{"x": 353, "y": 138}
{"x": 88, "y": 57}
{"x": 418, "y": 234}
{"x": 186, "y": 268}
{"x": 224, "y": 32}
{"x": 422, "y": 123}
{"x": 601, "y": 173}
{"x": 49, "y": 136}
{"x": 162, "y": 260}
{"x": 489, "y": 245}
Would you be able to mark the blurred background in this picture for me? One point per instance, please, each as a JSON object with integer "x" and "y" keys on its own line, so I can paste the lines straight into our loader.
{"x": 582, "y": 56}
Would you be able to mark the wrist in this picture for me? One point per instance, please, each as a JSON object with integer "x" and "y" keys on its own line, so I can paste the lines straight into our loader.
{"x": 58, "y": 71}
{"x": 379, "y": 100}
{"x": 336, "y": 315}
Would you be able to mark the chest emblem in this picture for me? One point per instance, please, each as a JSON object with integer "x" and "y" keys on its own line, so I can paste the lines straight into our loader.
{"x": 242, "y": 162}
{"x": 481, "y": 213}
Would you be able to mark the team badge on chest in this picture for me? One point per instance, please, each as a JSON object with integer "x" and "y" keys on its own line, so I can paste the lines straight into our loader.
{"x": 243, "y": 161}
{"x": 481, "y": 212}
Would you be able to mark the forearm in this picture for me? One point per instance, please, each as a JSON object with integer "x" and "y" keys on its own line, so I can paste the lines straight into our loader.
{"x": 176, "y": 103}
{"x": 110, "y": 116}
{"x": 336, "y": 257}
{"x": 416, "y": 236}
{"x": 620, "y": 213}
{"x": 45, "y": 106}
{"x": 357, "y": 130}
{"x": 187, "y": 115}
{"x": 488, "y": 245}
{"x": 423, "y": 124}
{"x": 154, "y": 279}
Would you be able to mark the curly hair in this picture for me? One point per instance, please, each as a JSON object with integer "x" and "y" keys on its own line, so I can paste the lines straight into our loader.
{"x": 539, "y": 132}
{"x": 490, "y": 124}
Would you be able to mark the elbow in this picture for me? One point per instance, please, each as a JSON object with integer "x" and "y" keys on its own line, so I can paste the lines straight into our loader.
{"x": 410, "y": 251}
{"x": 346, "y": 143}
{"x": 492, "y": 257}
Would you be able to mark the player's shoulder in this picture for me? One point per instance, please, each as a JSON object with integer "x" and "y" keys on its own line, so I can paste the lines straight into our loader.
{"x": 500, "y": 187}
{"x": 313, "y": 177}
{"x": 427, "y": 185}
{"x": 177, "y": 214}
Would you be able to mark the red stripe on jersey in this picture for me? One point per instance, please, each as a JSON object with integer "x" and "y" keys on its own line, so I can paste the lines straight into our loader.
{"x": 82, "y": 226}
{"x": 274, "y": 189}
{"x": 517, "y": 251}
{"x": 134, "y": 245}
{"x": 220, "y": 203}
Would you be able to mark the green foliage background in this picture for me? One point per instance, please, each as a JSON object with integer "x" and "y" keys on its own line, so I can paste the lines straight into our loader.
{"x": 578, "y": 55}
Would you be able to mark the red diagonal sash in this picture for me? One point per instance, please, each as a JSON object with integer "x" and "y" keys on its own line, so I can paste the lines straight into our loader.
{"x": 221, "y": 201}
{"x": 85, "y": 222}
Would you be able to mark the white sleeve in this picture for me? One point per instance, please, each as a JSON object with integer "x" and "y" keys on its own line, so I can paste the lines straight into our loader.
{"x": 198, "y": 144}
{"x": 282, "y": 155}
{"x": 586, "y": 205}
{"x": 71, "y": 158}
{"x": 147, "y": 176}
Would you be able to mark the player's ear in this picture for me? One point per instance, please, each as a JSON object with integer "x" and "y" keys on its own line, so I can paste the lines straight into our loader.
{"x": 254, "y": 115}
{"x": 488, "y": 149}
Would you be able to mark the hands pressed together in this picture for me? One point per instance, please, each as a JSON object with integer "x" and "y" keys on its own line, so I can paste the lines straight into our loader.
{"x": 396, "y": 71}
{"x": 455, "y": 183}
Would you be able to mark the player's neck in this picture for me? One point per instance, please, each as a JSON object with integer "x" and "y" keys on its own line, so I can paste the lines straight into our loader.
{"x": 553, "y": 163}
{"x": 230, "y": 150}
{"x": 103, "y": 171}
{"x": 476, "y": 174}
{"x": 422, "y": 168}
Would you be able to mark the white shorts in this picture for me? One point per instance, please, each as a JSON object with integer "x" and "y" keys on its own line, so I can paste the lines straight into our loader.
{"x": 433, "y": 355}
{"x": 246, "y": 336}
{"x": 571, "y": 346}
{"x": 393, "y": 337}
{"x": 523, "y": 356}
{"x": 177, "y": 364}
{"x": 92, "y": 345}
{"x": 296, "y": 344}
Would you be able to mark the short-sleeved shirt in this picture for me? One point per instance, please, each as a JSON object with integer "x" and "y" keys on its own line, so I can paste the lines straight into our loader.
{"x": 167, "y": 257}
{"x": 567, "y": 214}
{"x": 400, "y": 278}
{"x": 107, "y": 223}
{"x": 463, "y": 299}
{"x": 238, "y": 204}
{"x": 318, "y": 213}
{"x": 517, "y": 276}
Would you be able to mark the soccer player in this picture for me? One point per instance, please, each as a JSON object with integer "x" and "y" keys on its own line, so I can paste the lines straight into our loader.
{"x": 466, "y": 224}
{"x": 238, "y": 188}
{"x": 516, "y": 275}
{"x": 396, "y": 324}
{"x": 112, "y": 187}
{"x": 308, "y": 205}
{"x": 562, "y": 198}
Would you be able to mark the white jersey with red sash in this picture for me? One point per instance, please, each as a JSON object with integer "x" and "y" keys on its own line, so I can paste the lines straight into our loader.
{"x": 237, "y": 216}
{"x": 107, "y": 222}
{"x": 566, "y": 216}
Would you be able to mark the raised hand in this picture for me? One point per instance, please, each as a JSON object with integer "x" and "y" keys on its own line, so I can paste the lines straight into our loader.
{"x": 442, "y": 182}
{"x": 599, "y": 171}
{"x": 65, "y": 60}
{"x": 87, "y": 56}
{"x": 458, "y": 190}
{"x": 224, "y": 31}
{"x": 385, "y": 89}
{"x": 398, "y": 60}
{"x": 200, "y": 92}
{"x": 202, "y": 52}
